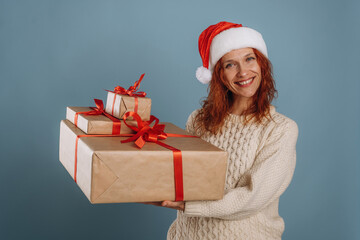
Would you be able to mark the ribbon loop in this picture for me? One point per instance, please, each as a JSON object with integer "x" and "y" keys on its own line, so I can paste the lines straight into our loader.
{"x": 132, "y": 90}
{"x": 145, "y": 133}
{"x": 99, "y": 104}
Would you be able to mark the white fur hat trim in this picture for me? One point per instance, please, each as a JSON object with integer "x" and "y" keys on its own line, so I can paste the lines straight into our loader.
{"x": 235, "y": 38}
{"x": 203, "y": 75}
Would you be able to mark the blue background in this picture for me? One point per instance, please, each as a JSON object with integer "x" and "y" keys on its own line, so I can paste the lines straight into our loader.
{"x": 55, "y": 54}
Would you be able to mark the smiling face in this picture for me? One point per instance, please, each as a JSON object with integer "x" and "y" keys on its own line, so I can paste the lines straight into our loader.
{"x": 242, "y": 73}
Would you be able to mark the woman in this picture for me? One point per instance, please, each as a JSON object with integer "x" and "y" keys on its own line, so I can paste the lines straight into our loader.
{"x": 238, "y": 118}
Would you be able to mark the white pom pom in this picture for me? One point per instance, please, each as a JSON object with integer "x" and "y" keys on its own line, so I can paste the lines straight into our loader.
{"x": 203, "y": 75}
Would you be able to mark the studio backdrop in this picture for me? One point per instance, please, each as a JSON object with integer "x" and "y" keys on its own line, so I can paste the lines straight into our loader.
{"x": 55, "y": 54}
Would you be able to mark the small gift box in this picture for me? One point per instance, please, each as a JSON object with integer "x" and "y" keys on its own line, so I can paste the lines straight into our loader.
{"x": 94, "y": 120}
{"x": 174, "y": 166}
{"x": 96, "y": 124}
{"x": 121, "y": 101}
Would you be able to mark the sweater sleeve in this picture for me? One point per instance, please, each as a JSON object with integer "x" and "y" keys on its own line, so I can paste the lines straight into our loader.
{"x": 264, "y": 182}
{"x": 190, "y": 124}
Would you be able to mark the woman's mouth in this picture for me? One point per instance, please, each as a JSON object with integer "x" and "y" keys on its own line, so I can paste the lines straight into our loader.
{"x": 245, "y": 83}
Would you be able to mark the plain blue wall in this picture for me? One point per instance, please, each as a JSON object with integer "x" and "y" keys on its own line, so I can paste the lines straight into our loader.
{"x": 55, "y": 54}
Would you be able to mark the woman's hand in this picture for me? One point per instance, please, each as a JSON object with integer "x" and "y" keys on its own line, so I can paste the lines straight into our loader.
{"x": 169, "y": 204}
{"x": 174, "y": 205}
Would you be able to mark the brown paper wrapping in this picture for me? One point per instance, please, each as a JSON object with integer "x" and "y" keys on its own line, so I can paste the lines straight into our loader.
{"x": 112, "y": 172}
{"x": 124, "y": 104}
{"x": 95, "y": 124}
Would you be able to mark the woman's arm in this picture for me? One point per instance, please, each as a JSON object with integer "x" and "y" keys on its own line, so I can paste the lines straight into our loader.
{"x": 267, "y": 179}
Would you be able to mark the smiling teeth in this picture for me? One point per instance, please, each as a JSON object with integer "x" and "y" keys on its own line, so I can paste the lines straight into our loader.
{"x": 245, "y": 82}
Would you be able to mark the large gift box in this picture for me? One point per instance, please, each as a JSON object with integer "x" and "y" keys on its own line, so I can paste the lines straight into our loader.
{"x": 108, "y": 171}
{"x": 96, "y": 123}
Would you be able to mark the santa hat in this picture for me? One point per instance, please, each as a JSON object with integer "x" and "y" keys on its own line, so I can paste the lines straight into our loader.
{"x": 221, "y": 38}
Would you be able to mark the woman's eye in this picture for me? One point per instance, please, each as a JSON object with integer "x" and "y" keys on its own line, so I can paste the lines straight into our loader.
{"x": 229, "y": 65}
{"x": 250, "y": 58}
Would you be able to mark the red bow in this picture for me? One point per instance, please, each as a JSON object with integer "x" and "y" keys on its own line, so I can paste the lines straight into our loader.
{"x": 132, "y": 90}
{"x": 99, "y": 110}
{"x": 96, "y": 111}
{"x": 145, "y": 133}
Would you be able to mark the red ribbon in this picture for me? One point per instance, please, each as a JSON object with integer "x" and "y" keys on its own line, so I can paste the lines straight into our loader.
{"x": 99, "y": 110}
{"x": 131, "y": 91}
{"x": 145, "y": 133}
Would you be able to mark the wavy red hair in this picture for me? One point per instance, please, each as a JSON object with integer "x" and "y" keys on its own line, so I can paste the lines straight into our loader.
{"x": 216, "y": 107}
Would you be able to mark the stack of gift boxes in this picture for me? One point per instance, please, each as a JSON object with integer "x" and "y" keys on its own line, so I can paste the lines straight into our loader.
{"x": 120, "y": 153}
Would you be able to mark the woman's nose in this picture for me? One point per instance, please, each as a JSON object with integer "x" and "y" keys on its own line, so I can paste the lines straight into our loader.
{"x": 242, "y": 72}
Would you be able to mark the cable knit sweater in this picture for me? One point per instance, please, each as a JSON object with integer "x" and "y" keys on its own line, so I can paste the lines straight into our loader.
{"x": 260, "y": 167}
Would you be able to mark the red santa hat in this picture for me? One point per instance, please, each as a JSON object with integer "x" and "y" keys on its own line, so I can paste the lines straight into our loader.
{"x": 221, "y": 38}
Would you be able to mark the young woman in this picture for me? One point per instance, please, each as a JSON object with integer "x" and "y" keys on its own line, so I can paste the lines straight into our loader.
{"x": 237, "y": 117}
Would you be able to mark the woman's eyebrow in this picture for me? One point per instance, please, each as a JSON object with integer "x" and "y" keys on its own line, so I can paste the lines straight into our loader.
{"x": 231, "y": 59}
{"x": 248, "y": 54}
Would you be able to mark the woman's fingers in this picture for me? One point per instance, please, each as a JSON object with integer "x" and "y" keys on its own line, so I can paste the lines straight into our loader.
{"x": 173, "y": 205}
{"x": 168, "y": 204}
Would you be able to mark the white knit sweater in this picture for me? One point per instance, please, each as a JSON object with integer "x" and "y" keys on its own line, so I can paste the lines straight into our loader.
{"x": 260, "y": 167}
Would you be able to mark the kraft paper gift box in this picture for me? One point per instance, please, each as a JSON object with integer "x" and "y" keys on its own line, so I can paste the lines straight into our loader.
{"x": 96, "y": 124}
{"x": 117, "y": 105}
{"x": 108, "y": 171}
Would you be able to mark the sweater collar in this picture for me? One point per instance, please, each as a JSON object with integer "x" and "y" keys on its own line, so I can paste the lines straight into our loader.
{"x": 240, "y": 118}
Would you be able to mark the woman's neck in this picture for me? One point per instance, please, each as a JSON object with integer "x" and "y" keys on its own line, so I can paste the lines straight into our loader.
{"x": 240, "y": 105}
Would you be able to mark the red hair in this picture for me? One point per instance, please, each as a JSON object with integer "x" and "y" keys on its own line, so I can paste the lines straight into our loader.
{"x": 216, "y": 107}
